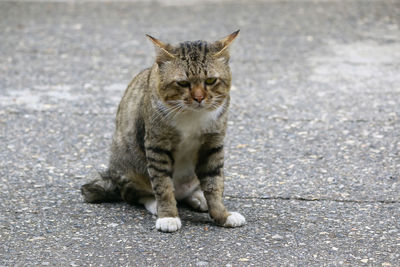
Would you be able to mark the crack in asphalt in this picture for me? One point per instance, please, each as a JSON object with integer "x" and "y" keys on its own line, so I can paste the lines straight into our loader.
{"x": 317, "y": 199}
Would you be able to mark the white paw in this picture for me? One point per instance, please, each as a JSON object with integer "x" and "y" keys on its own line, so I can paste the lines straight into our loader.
{"x": 168, "y": 224}
{"x": 197, "y": 201}
{"x": 150, "y": 204}
{"x": 234, "y": 220}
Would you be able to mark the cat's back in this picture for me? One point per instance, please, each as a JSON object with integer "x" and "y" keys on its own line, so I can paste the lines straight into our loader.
{"x": 133, "y": 97}
{"x": 136, "y": 87}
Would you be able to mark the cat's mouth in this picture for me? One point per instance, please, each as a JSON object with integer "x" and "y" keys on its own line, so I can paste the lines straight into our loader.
{"x": 209, "y": 106}
{"x": 198, "y": 106}
{"x": 193, "y": 106}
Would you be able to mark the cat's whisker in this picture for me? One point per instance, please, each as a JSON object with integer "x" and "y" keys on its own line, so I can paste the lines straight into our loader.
{"x": 163, "y": 111}
{"x": 180, "y": 110}
{"x": 216, "y": 102}
{"x": 172, "y": 111}
{"x": 159, "y": 117}
{"x": 160, "y": 114}
{"x": 167, "y": 113}
{"x": 155, "y": 116}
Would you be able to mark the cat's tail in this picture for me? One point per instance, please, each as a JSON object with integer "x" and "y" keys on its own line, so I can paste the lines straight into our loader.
{"x": 103, "y": 188}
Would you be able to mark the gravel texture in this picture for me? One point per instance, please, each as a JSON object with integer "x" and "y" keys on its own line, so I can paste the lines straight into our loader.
{"x": 313, "y": 146}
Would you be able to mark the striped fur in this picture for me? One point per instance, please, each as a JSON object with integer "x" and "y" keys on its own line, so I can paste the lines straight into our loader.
{"x": 170, "y": 128}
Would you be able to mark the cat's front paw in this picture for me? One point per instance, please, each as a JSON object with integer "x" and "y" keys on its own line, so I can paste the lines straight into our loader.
{"x": 235, "y": 219}
{"x": 168, "y": 224}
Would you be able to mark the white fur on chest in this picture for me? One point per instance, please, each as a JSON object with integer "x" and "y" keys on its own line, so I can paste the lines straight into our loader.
{"x": 194, "y": 123}
{"x": 190, "y": 127}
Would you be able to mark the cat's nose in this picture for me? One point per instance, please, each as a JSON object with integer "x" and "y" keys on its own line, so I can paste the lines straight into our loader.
{"x": 198, "y": 94}
{"x": 198, "y": 98}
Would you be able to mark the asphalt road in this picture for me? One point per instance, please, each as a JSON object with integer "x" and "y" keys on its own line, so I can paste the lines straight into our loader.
{"x": 313, "y": 147}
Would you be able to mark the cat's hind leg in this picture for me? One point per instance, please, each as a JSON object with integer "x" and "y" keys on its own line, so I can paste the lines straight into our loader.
{"x": 137, "y": 189}
{"x": 197, "y": 200}
{"x": 103, "y": 188}
{"x": 188, "y": 191}
{"x": 150, "y": 204}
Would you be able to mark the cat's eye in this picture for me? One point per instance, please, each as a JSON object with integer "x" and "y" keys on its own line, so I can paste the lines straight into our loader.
{"x": 183, "y": 83}
{"x": 210, "y": 81}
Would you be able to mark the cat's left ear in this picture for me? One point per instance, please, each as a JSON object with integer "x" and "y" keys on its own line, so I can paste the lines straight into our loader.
{"x": 164, "y": 51}
{"x": 223, "y": 44}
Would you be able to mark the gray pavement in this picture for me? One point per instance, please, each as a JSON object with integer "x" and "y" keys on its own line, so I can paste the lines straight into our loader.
{"x": 313, "y": 148}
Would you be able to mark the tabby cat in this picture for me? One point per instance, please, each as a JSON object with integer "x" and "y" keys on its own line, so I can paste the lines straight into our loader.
{"x": 168, "y": 142}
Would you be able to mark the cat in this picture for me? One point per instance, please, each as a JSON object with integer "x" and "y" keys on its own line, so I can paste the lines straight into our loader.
{"x": 168, "y": 144}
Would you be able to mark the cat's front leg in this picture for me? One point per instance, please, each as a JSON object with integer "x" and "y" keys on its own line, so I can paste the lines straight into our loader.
{"x": 159, "y": 166}
{"x": 211, "y": 176}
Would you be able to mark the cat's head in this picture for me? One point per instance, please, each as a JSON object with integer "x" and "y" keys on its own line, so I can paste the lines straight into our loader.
{"x": 194, "y": 75}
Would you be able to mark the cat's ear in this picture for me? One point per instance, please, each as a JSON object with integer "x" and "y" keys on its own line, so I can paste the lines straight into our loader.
{"x": 164, "y": 51}
{"x": 223, "y": 44}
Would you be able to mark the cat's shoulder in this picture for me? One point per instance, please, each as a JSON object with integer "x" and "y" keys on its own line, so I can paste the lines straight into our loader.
{"x": 141, "y": 78}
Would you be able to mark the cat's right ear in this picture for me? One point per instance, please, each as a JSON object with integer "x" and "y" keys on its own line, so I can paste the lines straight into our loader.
{"x": 164, "y": 51}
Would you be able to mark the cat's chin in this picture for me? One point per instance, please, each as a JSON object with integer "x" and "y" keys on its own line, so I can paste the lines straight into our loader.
{"x": 200, "y": 108}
